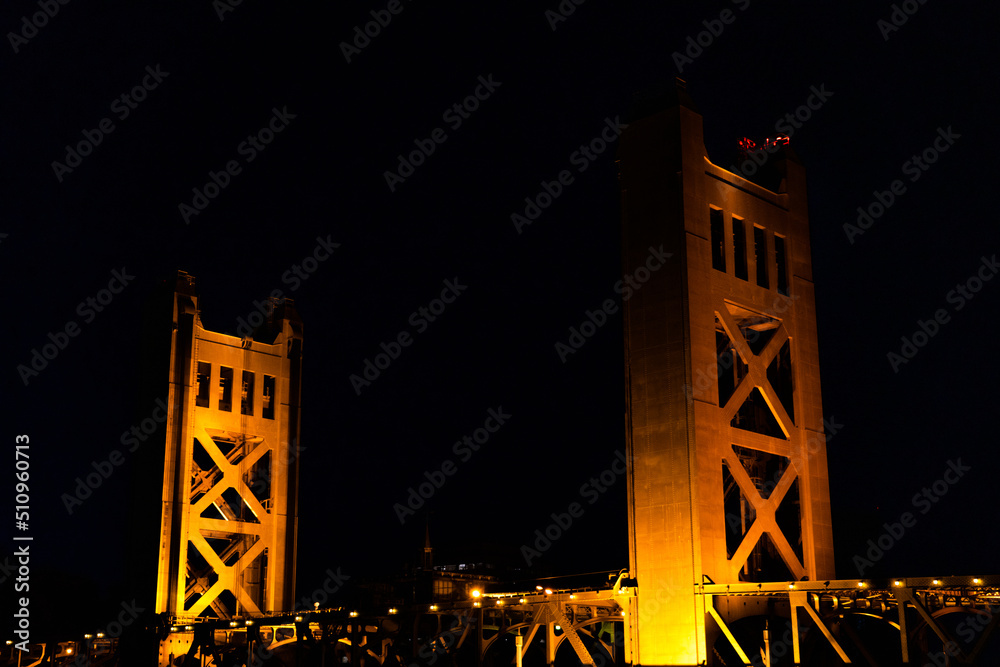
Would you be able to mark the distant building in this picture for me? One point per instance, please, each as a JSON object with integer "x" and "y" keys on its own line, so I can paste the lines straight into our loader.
{"x": 428, "y": 583}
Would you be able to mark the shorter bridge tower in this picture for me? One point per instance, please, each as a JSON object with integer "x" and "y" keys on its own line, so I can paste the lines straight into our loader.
{"x": 230, "y": 475}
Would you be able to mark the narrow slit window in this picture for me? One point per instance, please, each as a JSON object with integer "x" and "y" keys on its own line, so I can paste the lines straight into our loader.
{"x": 740, "y": 249}
{"x": 718, "y": 241}
{"x": 204, "y": 383}
{"x": 225, "y": 389}
{"x": 782, "y": 261}
{"x": 246, "y": 398}
{"x": 267, "y": 410}
{"x": 760, "y": 256}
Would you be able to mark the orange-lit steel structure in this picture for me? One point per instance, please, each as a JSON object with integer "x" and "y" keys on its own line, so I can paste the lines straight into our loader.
{"x": 727, "y": 454}
{"x": 230, "y": 477}
{"x": 730, "y": 536}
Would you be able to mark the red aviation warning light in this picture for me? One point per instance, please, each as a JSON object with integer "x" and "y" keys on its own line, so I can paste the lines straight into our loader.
{"x": 748, "y": 145}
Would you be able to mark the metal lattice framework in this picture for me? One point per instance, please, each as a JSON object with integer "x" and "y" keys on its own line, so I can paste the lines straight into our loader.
{"x": 764, "y": 508}
{"x": 801, "y": 621}
{"x": 243, "y": 535}
{"x": 912, "y": 611}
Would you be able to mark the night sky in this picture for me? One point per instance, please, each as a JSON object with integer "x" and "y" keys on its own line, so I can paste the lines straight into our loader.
{"x": 211, "y": 76}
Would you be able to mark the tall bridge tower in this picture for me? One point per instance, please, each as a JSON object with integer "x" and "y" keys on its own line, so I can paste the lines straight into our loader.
{"x": 230, "y": 476}
{"x": 727, "y": 455}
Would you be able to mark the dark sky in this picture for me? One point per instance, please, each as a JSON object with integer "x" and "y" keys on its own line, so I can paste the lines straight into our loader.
{"x": 221, "y": 79}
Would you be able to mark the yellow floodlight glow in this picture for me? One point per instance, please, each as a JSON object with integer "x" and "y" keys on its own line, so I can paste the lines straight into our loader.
{"x": 354, "y": 614}
{"x": 897, "y": 582}
{"x": 548, "y": 591}
{"x": 298, "y": 619}
{"x": 476, "y": 592}
{"x": 936, "y": 582}
{"x": 434, "y": 607}
{"x": 523, "y": 600}
{"x": 392, "y": 610}
{"x": 977, "y": 581}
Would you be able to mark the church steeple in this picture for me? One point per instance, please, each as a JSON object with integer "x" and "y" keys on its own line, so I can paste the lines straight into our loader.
{"x": 427, "y": 559}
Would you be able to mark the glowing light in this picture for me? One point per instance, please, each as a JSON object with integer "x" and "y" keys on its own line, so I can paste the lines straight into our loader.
{"x": 897, "y": 583}
{"x": 315, "y": 605}
{"x": 354, "y": 614}
{"x": 977, "y": 581}
{"x": 392, "y": 610}
{"x": 523, "y": 600}
{"x": 249, "y": 621}
{"x": 476, "y": 592}
{"x": 499, "y": 603}
{"x": 298, "y": 619}
{"x": 233, "y": 624}
{"x": 861, "y": 584}
{"x": 189, "y": 627}
{"x": 936, "y": 582}
{"x": 558, "y": 627}
{"x": 791, "y": 586}
{"x": 476, "y": 603}
{"x": 173, "y": 628}
{"x": 748, "y": 145}
{"x": 538, "y": 588}
{"x": 69, "y": 651}
{"x": 86, "y": 636}
{"x": 548, "y": 591}
{"x": 100, "y": 635}
{"x": 434, "y": 607}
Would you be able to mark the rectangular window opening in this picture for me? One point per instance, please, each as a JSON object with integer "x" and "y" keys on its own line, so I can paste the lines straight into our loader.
{"x": 760, "y": 256}
{"x": 740, "y": 249}
{"x": 204, "y": 383}
{"x": 267, "y": 411}
{"x": 225, "y": 389}
{"x": 782, "y": 261}
{"x": 718, "y": 241}
{"x": 246, "y": 398}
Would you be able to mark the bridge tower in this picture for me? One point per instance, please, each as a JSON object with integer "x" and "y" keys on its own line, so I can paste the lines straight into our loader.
{"x": 230, "y": 476}
{"x": 726, "y": 447}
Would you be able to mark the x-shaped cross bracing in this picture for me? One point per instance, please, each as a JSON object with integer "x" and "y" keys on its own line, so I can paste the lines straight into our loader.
{"x": 764, "y": 508}
{"x": 232, "y": 476}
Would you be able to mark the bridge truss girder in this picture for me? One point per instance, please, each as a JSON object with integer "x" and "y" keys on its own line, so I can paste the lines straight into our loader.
{"x": 818, "y": 613}
{"x": 913, "y": 607}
